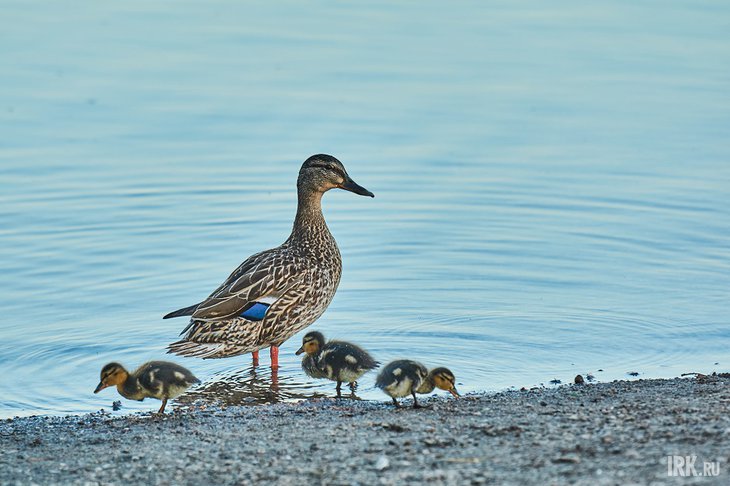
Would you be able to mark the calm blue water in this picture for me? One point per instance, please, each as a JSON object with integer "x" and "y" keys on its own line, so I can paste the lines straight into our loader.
{"x": 552, "y": 185}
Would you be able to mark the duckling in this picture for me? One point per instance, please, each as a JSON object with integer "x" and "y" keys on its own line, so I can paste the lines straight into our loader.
{"x": 312, "y": 342}
{"x": 156, "y": 379}
{"x": 335, "y": 360}
{"x": 404, "y": 377}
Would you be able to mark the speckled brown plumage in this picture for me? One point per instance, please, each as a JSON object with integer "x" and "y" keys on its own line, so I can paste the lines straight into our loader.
{"x": 298, "y": 279}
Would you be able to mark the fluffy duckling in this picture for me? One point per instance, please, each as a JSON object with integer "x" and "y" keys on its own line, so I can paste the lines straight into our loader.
{"x": 156, "y": 379}
{"x": 405, "y": 377}
{"x": 335, "y": 360}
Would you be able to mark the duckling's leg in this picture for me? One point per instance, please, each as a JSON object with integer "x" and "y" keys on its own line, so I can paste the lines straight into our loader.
{"x": 395, "y": 402}
{"x": 274, "y": 353}
{"x": 353, "y": 386}
{"x": 339, "y": 389}
{"x": 255, "y": 356}
{"x": 415, "y": 402}
{"x": 162, "y": 407}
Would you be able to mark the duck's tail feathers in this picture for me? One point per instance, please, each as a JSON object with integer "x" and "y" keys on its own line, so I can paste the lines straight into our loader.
{"x": 186, "y": 311}
{"x": 374, "y": 365}
{"x": 198, "y": 350}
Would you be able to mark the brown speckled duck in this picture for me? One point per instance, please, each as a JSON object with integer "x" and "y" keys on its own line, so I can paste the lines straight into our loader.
{"x": 278, "y": 292}
{"x": 157, "y": 379}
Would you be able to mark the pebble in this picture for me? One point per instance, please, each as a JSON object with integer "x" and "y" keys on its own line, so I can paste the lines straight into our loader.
{"x": 623, "y": 429}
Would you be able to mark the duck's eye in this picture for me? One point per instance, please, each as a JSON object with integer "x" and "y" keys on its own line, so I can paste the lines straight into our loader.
{"x": 331, "y": 169}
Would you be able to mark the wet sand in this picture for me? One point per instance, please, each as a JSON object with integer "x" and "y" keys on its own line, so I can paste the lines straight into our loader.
{"x": 605, "y": 433}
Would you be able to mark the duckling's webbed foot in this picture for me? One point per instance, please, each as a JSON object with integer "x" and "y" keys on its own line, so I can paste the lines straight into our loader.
{"x": 395, "y": 402}
{"x": 353, "y": 386}
{"x": 415, "y": 403}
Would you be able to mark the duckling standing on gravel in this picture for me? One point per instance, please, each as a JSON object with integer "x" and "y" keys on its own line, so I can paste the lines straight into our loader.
{"x": 336, "y": 360}
{"x": 156, "y": 379}
{"x": 405, "y": 377}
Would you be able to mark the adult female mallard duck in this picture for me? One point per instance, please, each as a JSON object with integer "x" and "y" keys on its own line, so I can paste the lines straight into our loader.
{"x": 157, "y": 379}
{"x": 278, "y": 292}
{"x": 405, "y": 377}
{"x": 338, "y": 361}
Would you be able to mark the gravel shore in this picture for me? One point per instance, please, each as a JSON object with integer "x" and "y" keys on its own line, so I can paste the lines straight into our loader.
{"x": 606, "y": 433}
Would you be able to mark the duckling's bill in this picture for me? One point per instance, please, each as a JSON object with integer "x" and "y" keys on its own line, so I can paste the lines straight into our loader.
{"x": 100, "y": 387}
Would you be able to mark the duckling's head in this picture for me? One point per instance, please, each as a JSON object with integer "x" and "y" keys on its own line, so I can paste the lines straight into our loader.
{"x": 444, "y": 379}
{"x": 312, "y": 342}
{"x": 322, "y": 172}
{"x": 112, "y": 374}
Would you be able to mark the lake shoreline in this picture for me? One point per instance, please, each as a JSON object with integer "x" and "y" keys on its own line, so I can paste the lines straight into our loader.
{"x": 603, "y": 433}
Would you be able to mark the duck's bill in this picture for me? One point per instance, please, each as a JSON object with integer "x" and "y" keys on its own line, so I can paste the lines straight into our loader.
{"x": 454, "y": 392}
{"x": 100, "y": 387}
{"x": 299, "y": 351}
{"x": 352, "y": 186}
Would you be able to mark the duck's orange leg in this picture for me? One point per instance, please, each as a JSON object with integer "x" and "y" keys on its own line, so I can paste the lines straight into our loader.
{"x": 255, "y": 356}
{"x": 274, "y": 353}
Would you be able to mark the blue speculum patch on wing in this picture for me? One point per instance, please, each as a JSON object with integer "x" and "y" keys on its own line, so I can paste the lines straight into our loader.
{"x": 256, "y": 312}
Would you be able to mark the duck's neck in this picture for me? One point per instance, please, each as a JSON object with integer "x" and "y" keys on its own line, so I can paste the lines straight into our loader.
{"x": 427, "y": 386}
{"x": 310, "y": 362}
{"x": 309, "y": 220}
{"x": 129, "y": 388}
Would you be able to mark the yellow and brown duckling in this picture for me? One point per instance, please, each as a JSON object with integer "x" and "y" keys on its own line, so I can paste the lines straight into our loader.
{"x": 338, "y": 361}
{"x": 157, "y": 379}
{"x": 405, "y": 377}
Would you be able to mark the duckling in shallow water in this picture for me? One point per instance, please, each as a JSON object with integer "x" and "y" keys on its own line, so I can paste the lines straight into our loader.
{"x": 405, "y": 377}
{"x": 156, "y": 379}
{"x": 335, "y": 360}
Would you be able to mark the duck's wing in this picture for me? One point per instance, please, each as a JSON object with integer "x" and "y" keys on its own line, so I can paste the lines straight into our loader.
{"x": 344, "y": 355}
{"x": 400, "y": 371}
{"x": 163, "y": 380}
{"x": 185, "y": 311}
{"x": 250, "y": 292}
{"x": 148, "y": 376}
{"x": 247, "y": 266}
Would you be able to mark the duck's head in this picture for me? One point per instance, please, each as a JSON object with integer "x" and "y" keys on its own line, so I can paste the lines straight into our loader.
{"x": 444, "y": 379}
{"x": 111, "y": 375}
{"x": 322, "y": 172}
{"x": 312, "y": 342}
